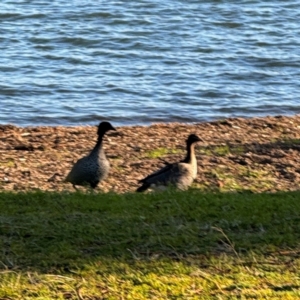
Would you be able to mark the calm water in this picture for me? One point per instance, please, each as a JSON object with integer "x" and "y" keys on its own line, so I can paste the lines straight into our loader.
{"x": 139, "y": 62}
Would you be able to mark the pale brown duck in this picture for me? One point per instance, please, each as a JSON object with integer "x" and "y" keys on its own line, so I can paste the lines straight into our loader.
{"x": 180, "y": 174}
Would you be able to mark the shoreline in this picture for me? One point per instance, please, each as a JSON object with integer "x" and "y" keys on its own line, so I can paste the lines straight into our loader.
{"x": 200, "y": 121}
{"x": 256, "y": 154}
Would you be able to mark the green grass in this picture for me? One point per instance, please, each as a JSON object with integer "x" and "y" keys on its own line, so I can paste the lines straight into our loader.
{"x": 8, "y": 164}
{"x": 222, "y": 150}
{"x": 290, "y": 141}
{"x": 170, "y": 245}
{"x": 159, "y": 152}
{"x": 244, "y": 178}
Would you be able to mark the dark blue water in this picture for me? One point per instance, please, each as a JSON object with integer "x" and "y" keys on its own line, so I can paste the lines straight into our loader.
{"x": 139, "y": 62}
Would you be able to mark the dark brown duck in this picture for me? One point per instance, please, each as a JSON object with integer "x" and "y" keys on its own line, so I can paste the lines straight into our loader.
{"x": 93, "y": 168}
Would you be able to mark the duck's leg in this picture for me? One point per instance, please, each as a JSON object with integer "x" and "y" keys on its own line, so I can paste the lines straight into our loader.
{"x": 94, "y": 184}
{"x": 143, "y": 187}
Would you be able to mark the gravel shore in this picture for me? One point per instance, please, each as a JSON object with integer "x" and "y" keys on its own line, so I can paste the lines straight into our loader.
{"x": 255, "y": 154}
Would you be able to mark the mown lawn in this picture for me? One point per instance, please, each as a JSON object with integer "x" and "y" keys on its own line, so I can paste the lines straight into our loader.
{"x": 170, "y": 245}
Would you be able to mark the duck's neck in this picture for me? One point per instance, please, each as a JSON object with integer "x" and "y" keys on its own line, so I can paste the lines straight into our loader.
{"x": 98, "y": 145}
{"x": 190, "y": 155}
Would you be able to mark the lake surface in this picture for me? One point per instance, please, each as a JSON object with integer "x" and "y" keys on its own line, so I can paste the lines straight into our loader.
{"x": 141, "y": 62}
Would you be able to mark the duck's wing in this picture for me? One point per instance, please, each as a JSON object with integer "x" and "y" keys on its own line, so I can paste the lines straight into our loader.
{"x": 157, "y": 173}
{"x": 78, "y": 171}
{"x": 160, "y": 174}
{"x": 178, "y": 174}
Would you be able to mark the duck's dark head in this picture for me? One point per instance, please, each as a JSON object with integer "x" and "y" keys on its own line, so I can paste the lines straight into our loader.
{"x": 103, "y": 127}
{"x": 193, "y": 138}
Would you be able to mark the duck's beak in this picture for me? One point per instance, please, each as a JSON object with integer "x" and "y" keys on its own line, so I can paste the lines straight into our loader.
{"x": 114, "y": 132}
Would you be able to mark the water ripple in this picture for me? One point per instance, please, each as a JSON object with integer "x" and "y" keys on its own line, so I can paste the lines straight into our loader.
{"x": 148, "y": 61}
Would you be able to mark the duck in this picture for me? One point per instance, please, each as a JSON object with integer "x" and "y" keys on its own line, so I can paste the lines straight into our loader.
{"x": 93, "y": 168}
{"x": 179, "y": 174}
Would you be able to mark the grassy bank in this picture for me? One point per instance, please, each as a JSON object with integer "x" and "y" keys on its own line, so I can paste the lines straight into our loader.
{"x": 171, "y": 245}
